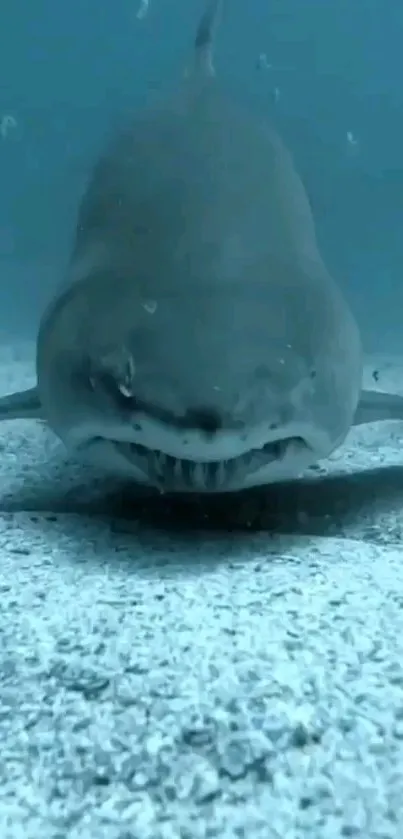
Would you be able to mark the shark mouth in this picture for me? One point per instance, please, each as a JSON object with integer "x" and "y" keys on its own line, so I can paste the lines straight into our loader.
{"x": 174, "y": 474}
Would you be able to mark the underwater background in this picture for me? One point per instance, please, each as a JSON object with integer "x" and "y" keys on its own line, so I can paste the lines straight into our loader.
{"x": 327, "y": 72}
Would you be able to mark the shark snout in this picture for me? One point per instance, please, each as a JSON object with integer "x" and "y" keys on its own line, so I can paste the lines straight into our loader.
{"x": 207, "y": 420}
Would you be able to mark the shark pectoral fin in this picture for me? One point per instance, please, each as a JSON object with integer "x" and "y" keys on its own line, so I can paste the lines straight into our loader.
{"x": 375, "y": 407}
{"x": 25, "y": 404}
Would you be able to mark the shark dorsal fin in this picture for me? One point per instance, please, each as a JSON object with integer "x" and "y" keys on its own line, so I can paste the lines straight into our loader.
{"x": 204, "y": 40}
{"x": 202, "y": 65}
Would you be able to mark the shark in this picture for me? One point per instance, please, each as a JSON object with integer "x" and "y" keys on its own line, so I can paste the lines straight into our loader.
{"x": 198, "y": 342}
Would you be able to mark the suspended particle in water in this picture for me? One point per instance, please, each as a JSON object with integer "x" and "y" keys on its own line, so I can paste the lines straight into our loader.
{"x": 150, "y": 306}
{"x": 143, "y": 9}
{"x": 262, "y": 62}
{"x": 8, "y": 124}
{"x": 353, "y": 145}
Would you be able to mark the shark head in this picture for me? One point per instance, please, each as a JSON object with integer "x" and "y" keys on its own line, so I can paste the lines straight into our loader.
{"x": 204, "y": 390}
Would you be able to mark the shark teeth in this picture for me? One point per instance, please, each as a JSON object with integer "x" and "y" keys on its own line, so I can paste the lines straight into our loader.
{"x": 175, "y": 471}
{"x": 176, "y": 474}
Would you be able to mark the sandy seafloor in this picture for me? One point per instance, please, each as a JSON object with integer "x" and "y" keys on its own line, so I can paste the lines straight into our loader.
{"x": 176, "y": 670}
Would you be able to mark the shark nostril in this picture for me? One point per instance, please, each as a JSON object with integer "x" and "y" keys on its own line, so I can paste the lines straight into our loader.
{"x": 207, "y": 420}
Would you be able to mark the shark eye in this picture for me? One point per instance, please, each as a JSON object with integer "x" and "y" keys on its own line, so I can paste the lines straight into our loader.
{"x": 124, "y": 378}
{"x": 125, "y": 388}
{"x": 115, "y": 376}
{"x": 115, "y": 389}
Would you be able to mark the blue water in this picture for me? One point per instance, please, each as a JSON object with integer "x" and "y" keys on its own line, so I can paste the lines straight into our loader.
{"x": 71, "y": 73}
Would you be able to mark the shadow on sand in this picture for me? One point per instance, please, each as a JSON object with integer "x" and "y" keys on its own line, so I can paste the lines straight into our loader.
{"x": 337, "y": 504}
